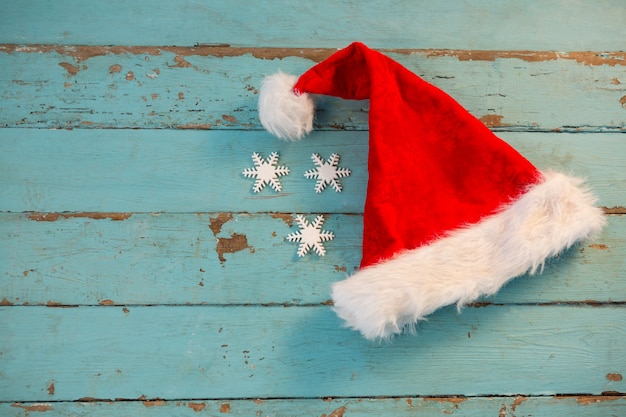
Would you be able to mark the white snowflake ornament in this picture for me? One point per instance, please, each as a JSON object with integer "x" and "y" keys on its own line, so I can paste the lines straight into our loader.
{"x": 266, "y": 172}
{"x": 310, "y": 235}
{"x": 327, "y": 172}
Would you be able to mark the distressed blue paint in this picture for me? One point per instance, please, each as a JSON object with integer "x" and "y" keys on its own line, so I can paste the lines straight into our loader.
{"x": 149, "y": 344}
{"x": 277, "y": 352}
{"x": 172, "y": 259}
{"x": 581, "y": 406}
{"x": 478, "y": 24}
{"x": 200, "y": 171}
{"x": 221, "y": 93}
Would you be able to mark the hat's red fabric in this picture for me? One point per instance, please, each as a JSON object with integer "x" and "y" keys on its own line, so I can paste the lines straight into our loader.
{"x": 433, "y": 167}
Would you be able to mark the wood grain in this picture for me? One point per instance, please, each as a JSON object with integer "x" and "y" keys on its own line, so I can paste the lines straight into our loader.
{"x": 481, "y": 24}
{"x": 176, "y": 259}
{"x": 216, "y": 87}
{"x": 176, "y": 352}
{"x": 143, "y": 170}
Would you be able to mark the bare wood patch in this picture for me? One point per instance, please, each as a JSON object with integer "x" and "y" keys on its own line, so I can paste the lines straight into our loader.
{"x": 592, "y": 399}
{"x": 197, "y": 407}
{"x": 614, "y": 377}
{"x": 5, "y": 303}
{"x": 614, "y": 210}
{"x": 33, "y": 407}
{"x": 52, "y": 217}
{"x": 217, "y": 222}
{"x": 83, "y": 52}
{"x": 285, "y": 217}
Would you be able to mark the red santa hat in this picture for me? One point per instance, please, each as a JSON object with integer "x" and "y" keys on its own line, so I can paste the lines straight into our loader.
{"x": 452, "y": 212}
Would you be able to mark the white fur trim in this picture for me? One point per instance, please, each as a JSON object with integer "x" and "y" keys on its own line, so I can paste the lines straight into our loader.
{"x": 282, "y": 112}
{"x": 384, "y": 299}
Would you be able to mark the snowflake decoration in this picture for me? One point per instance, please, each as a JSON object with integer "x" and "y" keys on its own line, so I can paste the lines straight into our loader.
{"x": 327, "y": 172}
{"x": 310, "y": 235}
{"x": 266, "y": 172}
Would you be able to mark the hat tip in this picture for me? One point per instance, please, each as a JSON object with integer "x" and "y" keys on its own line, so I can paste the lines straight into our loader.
{"x": 284, "y": 112}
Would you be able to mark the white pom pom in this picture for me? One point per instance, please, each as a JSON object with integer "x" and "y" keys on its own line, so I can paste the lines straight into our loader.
{"x": 282, "y": 112}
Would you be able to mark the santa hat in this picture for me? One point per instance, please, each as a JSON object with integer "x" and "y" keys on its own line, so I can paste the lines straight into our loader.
{"x": 452, "y": 212}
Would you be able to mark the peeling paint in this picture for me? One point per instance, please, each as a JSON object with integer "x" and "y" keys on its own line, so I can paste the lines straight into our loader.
{"x": 237, "y": 242}
{"x": 493, "y": 120}
{"x": 443, "y": 400}
{"x": 52, "y": 217}
{"x": 216, "y": 223}
{"x": 33, "y": 407}
{"x": 336, "y": 413}
{"x": 84, "y": 52}
{"x": 228, "y": 118}
{"x": 586, "y": 58}
{"x": 614, "y": 210}
{"x": 51, "y": 388}
{"x": 614, "y": 377}
{"x": 598, "y": 246}
{"x": 225, "y": 408}
{"x": 71, "y": 69}
{"x": 106, "y": 302}
{"x": 197, "y": 407}
{"x": 592, "y": 399}
{"x": 115, "y": 68}
{"x": 192, "y": 126}
{"x": 181, "y": 62}
{"x": 154, "y": 403}
{"x": 518, "y": 400}
{"x": 286, "y": 217}
{"x": 5, "y": 303}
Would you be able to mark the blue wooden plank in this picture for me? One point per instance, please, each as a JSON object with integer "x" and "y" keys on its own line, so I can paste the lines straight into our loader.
{"x": 303, "y": 352}
{"x": 201, "y": 171}
{"x": 480, "y": 24}
{"x": 216, "y": 88}
{"x": 177, "y": 259}
{"x": 580, "y": 406}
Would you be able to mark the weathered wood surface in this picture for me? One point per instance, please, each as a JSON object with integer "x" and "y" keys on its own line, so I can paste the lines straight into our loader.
{"x": 197, "y": 171}
{"x": 192, "y": 258}
{"x": 580, "y": 406}
{"x": 216, "y": 87}
{"x": 481, "y": 24}
{"x": 175, "y": 290}
{"x": 178, "y": 352}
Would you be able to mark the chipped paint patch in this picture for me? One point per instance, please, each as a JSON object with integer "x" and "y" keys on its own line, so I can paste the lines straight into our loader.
{"x": 197, "y": 407}
{"x": 237, "y": 242}
{"x": 106, "y": 302}
{"x": 614, "y": 377}
{"x": 593, "y": 399}
{"x": 71, "y": 69}
{"x": 52, "y": 217}
{"x": 285, "y": 217}
{"x": 217, "y": 222}
{"x": 225, "y": 408}
{"x": 5, "y": 303}
{"x": 443, "y": 400}
{"x": 154, "y": 403}
{"x": 33, "y": 407}
{"x": 493, "y": 120}
{"x": 84, "y": 52}
{"x": 598, "y": 246}
{"x": 115, "y": 68}
{"x": 614, "y": 210}
{"x": 336, "y": 413}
